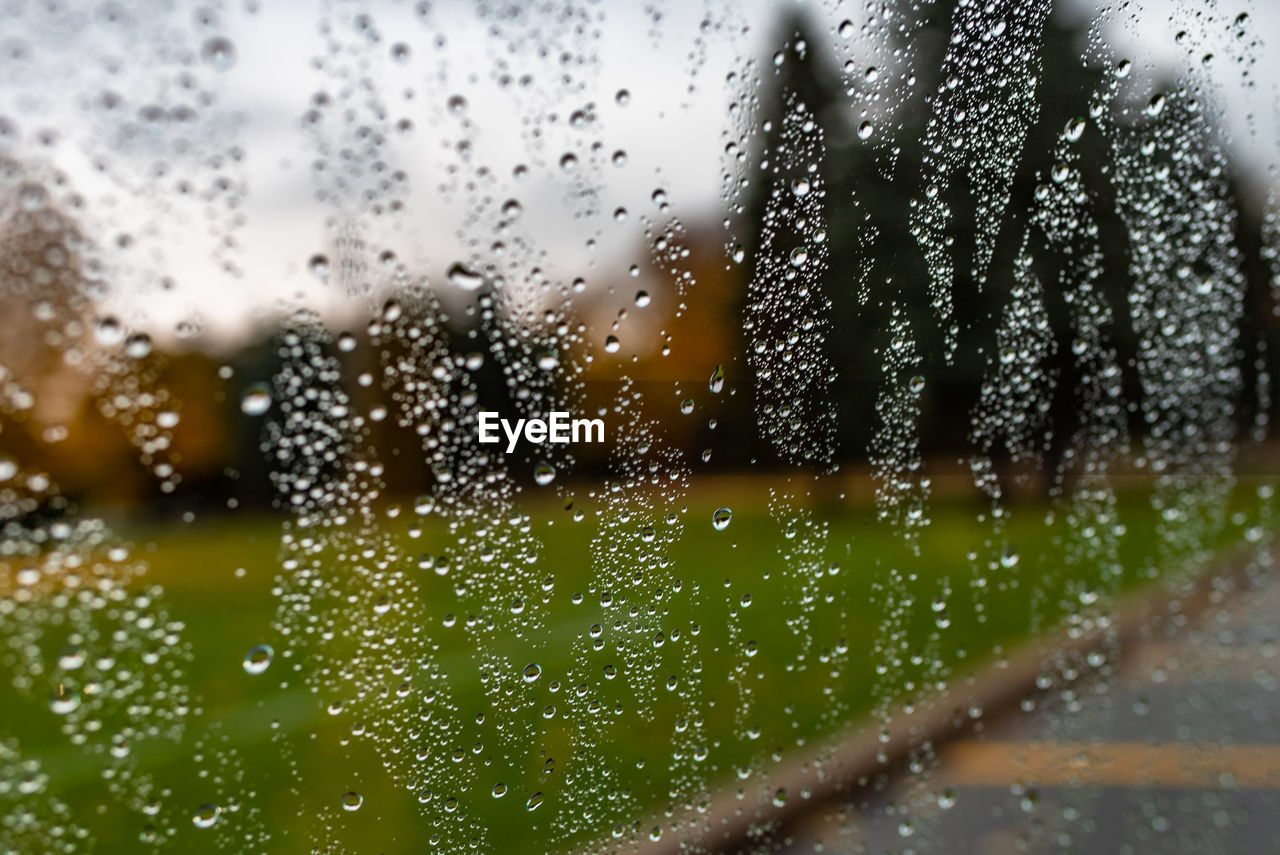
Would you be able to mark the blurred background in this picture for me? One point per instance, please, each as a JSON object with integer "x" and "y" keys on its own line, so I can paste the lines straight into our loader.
{"x": 923, "y": 332}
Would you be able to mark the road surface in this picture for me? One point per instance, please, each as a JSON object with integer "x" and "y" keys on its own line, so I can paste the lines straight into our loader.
{"x": 1171, "y": 746}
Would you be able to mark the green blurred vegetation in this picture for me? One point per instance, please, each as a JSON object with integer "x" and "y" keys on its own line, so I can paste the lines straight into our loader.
{"x": 278, "y": 750}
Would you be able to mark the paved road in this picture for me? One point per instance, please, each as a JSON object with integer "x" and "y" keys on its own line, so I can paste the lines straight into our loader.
{"x": 1174, "y": 749}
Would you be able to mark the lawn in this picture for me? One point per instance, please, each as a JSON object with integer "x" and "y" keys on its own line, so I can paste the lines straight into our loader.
{"x": 668, "y": 665}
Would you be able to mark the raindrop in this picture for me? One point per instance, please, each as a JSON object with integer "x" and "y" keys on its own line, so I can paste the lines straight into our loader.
{"x": 532, "y": 672}
{"x": 1156, "y": 105}
{"x": 219, "y": 52}
{"x": 544, "y": 474}
{"x": 535, "y": 801}
{"x": 799, "y": 256}
{"x": 499, "y": 790}
{"x": 64, "y": 701}
{"x": 461, "y": 277}
{"x": 352, "y": 801}
{"x": 258, "y": 659}
{"x": 721, "y": 518}
{"x": 137, "y": 345}
{"x": 205, "y": 816}
{"x": 642, "y": 299}
{"x": 864, "y": 130}
{"x": 717, "y": 379}
{"x": 1074, "y": 129}
{"x": 623, "y": 97}
{"x": 611, "y": 344}
{"x": 847, "y": 30}
{"x": 319, "y": 266}
{"x": 71, "y": 658}
{"x": 256, "y": 400}
{"x": 108, "y": 331}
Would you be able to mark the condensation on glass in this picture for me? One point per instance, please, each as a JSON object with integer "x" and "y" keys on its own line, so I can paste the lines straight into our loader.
{"x": 932, "y": 343}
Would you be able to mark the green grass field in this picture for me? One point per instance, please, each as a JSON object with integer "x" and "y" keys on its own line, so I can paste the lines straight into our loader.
{"x": 751, "y": 685}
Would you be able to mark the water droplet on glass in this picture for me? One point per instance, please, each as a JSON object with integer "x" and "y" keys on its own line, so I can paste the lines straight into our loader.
{"x": 534, "y": 802}
{"x": 721, "y": 518}
{"x": 219, "y": 52}
{"x": 460, "y": 277}
{"x": 611, "y": 344}
{"x": 717, "y": 379}
{"x": 1074, "y": 129}
{"x": 847, "y": 30}
{"x": 108, "y": 331}
{"x": 532, "y": 672}
{"x": 205, "y": 816}
{"x": 64, "y": 700}
{"x": 864, "y": 130}
{"x": 352, "y": 801}
{"x": 799, "y": 256}
{"x": 499, "y": 790}
{"x": 1156, "y": 105}
{"x": 71, "y": 658}
{"x": 319, "y": 266}
{"x": 258, "y": 659}
{"x": 137, "y": 345}
{"x": 256, "y": 400}
{"x": 544, "y": 474}
{"x": 642, "y": 299}
{"x": 623, "y": 97}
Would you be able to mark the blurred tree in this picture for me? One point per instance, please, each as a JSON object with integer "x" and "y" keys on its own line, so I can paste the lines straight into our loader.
{"x": 869, "y": 197}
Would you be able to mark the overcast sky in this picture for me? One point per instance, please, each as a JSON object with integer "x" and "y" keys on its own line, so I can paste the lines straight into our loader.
{"x": 222, "y": 242}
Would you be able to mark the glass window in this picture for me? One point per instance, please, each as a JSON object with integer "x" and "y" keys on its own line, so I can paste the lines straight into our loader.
{"x": 594, "y": 426}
